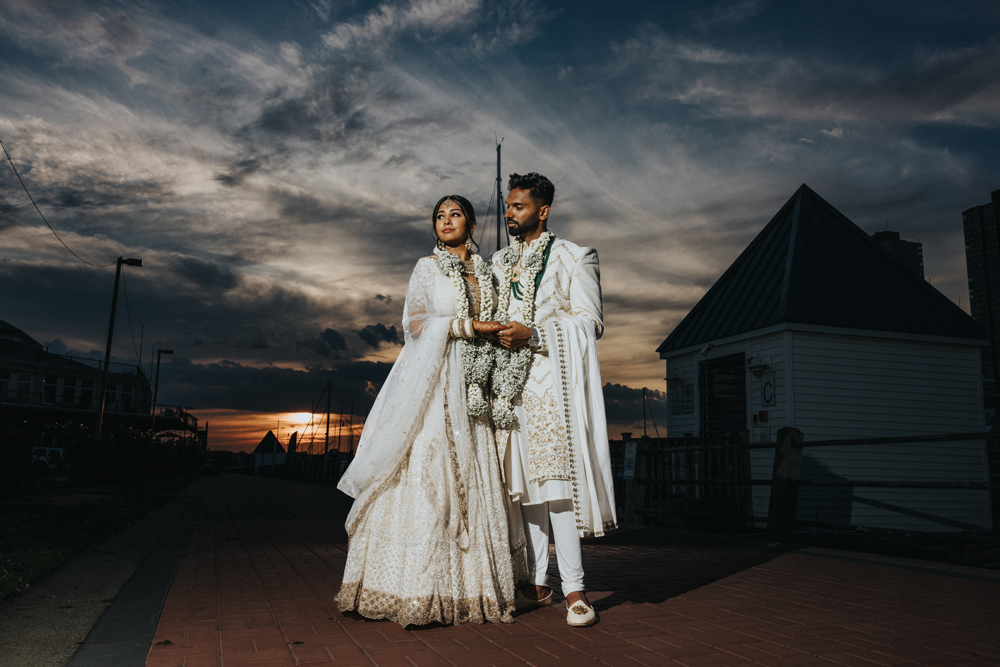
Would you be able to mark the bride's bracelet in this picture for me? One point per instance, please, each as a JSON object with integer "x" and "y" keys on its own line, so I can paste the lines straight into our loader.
{"x": 462, "y": 328}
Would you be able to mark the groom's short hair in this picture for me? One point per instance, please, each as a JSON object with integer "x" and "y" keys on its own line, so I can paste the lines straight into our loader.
{"x": 541, "y": 188}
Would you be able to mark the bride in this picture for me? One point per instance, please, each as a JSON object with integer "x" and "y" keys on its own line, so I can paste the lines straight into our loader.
{"x": 428, "y": 531}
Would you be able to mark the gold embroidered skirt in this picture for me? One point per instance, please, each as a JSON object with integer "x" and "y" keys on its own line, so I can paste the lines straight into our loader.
{"x": 403, "y": 566}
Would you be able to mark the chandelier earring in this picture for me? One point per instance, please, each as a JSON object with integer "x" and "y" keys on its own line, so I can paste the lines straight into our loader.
{"x": 469, "y": 243}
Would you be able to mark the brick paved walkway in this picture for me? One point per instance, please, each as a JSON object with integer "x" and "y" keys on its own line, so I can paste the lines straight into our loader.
{"x": 256, "y": 586}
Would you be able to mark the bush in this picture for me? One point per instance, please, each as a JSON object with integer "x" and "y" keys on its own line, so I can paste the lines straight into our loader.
{"x": 126, "y": 453}
{"x": 17, "y": 472}
{"x": 123, "y": 453}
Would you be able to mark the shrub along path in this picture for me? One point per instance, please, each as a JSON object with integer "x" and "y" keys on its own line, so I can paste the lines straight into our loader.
{"x": 42, "y": 530}
{"x": 45, "y": 625}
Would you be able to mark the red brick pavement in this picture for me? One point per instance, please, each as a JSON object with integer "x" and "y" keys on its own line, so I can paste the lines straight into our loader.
{"x": 257, "y": 583}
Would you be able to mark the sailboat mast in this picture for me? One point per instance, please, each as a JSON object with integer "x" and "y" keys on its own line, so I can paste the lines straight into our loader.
{"x": 499, "y": 199}
{"x": 329, "y": 391}
{"x": 350, "y": 432}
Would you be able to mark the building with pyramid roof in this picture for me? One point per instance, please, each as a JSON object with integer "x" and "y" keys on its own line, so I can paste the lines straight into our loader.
{"x": 268, "y": 453}
{"x": 817, "y": 327}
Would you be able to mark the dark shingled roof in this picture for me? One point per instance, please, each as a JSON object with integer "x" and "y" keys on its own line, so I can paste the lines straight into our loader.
{"x": 269, "y": 443}
{"x": 8, "y": 332}
{"x": 811, "y": 265}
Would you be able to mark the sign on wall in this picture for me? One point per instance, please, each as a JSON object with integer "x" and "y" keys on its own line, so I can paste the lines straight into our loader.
{"x": 768, "y": 391}
{"x": 630, "y": 449}
{"x": 682, "y": 399}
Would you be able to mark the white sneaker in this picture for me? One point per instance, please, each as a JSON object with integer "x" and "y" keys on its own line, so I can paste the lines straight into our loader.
{"x": 581, "y": 615}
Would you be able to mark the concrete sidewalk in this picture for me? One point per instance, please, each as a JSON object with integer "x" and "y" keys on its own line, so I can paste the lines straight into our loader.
{"x": 46, "y": 625}
{"x": 258, "y": 578}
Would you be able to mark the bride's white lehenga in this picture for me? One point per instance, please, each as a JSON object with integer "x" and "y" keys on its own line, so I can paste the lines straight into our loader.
{"x": 429, "y": 534}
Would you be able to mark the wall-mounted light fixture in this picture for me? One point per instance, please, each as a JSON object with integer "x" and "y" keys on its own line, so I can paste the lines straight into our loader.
{"x": 759, "y": 363}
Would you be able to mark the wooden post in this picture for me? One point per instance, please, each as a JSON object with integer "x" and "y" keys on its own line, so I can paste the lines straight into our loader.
{"x": 745, "y": 471}
{"x": 635, "y": 489}
{"x": 785, "y": 484}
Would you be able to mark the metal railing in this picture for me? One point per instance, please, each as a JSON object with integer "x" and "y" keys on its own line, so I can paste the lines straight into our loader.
{"x": 710, "y": 478}
{"x": 53, "y": 400}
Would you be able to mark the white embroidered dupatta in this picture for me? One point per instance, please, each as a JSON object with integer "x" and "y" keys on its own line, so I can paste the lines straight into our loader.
{"x": 423, "y": 397}
{"x": 577, "y": 380}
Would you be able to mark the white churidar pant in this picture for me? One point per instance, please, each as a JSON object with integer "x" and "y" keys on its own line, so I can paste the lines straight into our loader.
{"x": 558, "y": 514}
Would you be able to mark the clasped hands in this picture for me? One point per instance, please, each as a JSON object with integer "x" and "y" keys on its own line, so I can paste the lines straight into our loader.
{"x": 511, "y": 336}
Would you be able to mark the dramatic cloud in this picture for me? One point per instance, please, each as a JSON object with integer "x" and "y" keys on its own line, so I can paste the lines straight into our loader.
{"x": 624, "y": 408}
{"x": 274, "y": 167}
{"x": 960, "y": 85}
{"x": 228, "y": 384}
{"x": 377, "y": 335}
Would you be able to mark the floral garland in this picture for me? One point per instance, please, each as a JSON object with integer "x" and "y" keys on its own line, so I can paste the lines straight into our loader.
{"x": 512, "y": 366}
{"x": 477, "y": 353}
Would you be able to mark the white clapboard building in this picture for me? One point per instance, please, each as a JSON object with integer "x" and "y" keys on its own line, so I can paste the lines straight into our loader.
{"x": 815, "y": 326}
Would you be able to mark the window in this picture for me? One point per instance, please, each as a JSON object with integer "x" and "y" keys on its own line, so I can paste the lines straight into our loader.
{"x": 50, "y": 387}
{"x": 68, "y": 390}
{"x": 23, "y": 387}
{"x": 109, "y": 396}
{"x": 86, "y": 393}
{"x": 723, "y": 395}
{"x": 4, "y": 384}
{"x": 126, "y": 397}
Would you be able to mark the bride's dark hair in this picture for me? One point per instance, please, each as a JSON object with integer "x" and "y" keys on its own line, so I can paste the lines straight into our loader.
{"x": 464, "y": 204}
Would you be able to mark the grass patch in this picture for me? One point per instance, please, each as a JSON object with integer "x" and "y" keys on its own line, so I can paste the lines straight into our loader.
{"x": 40, "y": 531}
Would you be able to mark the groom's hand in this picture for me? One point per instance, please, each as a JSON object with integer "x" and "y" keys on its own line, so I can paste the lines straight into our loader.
{"x": 487, "y": 328}
{"x": 514, "y": 336}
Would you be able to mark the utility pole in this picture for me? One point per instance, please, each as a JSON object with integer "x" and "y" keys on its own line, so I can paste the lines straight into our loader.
{"x": 156, "y": 395}
{"x": 107, "y": 350}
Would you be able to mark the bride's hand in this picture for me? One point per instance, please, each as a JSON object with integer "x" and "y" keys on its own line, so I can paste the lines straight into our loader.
{"x": 488, "y": 328}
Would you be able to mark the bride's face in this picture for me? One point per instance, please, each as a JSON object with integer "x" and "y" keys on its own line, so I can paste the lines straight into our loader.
{"x": 451, "y": 224}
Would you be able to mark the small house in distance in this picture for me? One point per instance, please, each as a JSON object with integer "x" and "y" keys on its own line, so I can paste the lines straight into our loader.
{"x": 816, "y": 327}
{"x": 267, "y": 454}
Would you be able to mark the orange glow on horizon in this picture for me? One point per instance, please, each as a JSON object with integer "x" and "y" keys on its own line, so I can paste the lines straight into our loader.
{"x": 241, "y": 430}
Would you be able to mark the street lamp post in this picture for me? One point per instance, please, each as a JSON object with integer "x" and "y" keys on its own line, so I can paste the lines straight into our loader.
{"x": 107, "y": 350}
{"x": 156, "y": 393}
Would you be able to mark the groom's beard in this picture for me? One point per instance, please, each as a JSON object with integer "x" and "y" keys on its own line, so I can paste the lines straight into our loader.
{"x": 525, "y": 227}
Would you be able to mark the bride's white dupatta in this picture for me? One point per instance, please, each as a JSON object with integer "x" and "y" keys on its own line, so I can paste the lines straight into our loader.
{"x": 423, "y": 396}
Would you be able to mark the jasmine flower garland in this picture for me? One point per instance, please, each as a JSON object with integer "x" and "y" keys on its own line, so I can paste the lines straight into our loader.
{"x": 512, "y": 366}
{"x": 477, "y": 353}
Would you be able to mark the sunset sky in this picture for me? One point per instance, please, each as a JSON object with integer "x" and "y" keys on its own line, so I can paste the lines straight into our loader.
{"x": 274, "y": 165}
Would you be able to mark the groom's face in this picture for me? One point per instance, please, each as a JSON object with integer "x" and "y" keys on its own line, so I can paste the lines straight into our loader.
{"x": 524, "y": 213}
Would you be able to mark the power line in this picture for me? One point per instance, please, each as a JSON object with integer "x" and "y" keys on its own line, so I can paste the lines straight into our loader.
{"x": 42, "y": 216}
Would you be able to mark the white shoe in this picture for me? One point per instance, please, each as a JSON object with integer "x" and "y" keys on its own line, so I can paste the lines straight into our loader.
{"x": 521, "y": 601}
{"x": 580, "y": 615}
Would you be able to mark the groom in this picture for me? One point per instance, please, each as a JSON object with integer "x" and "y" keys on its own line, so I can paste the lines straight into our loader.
{"x": 555, "y": 455}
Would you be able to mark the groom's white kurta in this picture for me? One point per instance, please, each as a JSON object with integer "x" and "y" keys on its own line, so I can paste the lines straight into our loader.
{"x": 558, "y": 448}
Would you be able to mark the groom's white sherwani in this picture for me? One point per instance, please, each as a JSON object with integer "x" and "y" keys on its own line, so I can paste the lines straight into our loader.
{"x": 557, "y": 449}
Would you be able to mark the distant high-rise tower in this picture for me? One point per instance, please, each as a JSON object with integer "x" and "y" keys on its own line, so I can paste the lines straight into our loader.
{"x": 982, "y": 260}
{"x": 908, "y": 253}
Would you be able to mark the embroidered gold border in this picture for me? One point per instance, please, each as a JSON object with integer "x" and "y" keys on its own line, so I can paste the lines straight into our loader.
{"x": 423, "y": 609}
